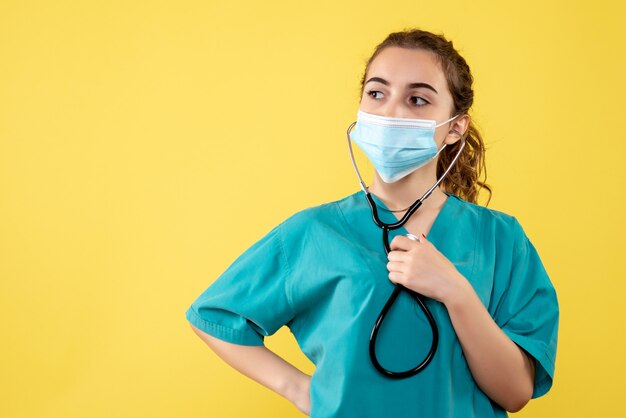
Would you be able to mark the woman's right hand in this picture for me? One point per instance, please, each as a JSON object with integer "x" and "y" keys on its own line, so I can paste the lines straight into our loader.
{"x": 302, "y": 395}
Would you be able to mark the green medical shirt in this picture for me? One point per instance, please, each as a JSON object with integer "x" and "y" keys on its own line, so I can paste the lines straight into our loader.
{"x": 322, "y": 273}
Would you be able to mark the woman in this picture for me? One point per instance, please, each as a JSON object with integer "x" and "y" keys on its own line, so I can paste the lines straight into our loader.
{"x": 324, "y": 273}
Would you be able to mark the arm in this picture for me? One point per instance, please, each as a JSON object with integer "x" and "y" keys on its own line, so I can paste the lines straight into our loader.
{"x": 499, "y": 366}
{"x": 263, "y": 366}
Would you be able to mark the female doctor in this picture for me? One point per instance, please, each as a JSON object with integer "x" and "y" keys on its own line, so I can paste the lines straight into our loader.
{"x": 324, "y": 273}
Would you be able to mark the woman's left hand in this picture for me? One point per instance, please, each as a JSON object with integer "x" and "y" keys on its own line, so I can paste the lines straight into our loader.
{"x": 419, "y": 266}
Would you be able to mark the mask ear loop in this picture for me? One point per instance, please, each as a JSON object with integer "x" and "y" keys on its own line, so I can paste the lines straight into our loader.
{"x": 444, "y": 145}
{"x": 446, "y": 121}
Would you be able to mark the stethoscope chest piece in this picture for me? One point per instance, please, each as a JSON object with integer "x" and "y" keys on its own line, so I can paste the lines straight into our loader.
{"x": 413, "y": 237}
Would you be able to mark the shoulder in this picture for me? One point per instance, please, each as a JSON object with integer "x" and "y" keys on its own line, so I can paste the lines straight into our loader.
{"x": 502, "y": 238}
{"x": 311, "y": 229}
{"x": 487, "y": 214}
{"x": 310, "y": 220}
{"x": 313, "y": 214}
{"x": 323, "y": 213}
{"x": 494, "y": 224}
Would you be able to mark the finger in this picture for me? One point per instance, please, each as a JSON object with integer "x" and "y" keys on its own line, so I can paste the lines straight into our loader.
{"x": 400, "y": 242}
{"x": 396, "y": 277}
{"x": 394, "y": 266}
{"x": 397, "y": 255}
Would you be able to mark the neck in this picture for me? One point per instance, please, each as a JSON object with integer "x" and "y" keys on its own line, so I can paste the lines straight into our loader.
{"x": 402, "y": 193}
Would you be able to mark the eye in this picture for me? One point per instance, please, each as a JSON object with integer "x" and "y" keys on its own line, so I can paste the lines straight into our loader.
{"x": 420, "y": 101}
{"x": 369, "y": 93}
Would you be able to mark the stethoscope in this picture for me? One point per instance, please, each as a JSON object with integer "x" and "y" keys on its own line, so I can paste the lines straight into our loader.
{"x": 398, "y": 287}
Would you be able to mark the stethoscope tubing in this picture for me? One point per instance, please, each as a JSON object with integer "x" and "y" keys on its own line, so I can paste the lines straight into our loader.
{"x": 398, "y": 287}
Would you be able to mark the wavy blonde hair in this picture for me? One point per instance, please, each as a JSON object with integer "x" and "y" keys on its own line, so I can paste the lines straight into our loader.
{"x": 464, "y": 179}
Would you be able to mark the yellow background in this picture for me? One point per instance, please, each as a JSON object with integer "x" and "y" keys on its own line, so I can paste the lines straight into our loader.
{"x": 145, "y": 144}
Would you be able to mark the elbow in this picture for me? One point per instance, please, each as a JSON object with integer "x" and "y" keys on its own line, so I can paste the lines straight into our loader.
{"x": 517, "y": 406}
{"x": 525, "y": 390}
{"x": 519, "y": 402}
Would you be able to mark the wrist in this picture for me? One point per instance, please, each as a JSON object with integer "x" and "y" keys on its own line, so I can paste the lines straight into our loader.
{"x": 458, "y": 293}
{"x": 295, "y": 385}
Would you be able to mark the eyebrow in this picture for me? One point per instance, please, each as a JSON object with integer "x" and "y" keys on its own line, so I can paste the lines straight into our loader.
{"x": 410, "y": 85}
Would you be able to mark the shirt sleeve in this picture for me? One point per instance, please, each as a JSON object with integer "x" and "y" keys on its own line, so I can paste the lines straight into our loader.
{"x": 529, "y": 311}
{"x": 249, "y": 300}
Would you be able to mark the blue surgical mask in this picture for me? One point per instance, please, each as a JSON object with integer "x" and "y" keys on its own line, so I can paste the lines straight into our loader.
{"x": 396, "y": 146}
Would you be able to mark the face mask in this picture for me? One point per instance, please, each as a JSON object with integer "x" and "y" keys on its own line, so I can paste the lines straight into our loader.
{"x": 396, "y": 146}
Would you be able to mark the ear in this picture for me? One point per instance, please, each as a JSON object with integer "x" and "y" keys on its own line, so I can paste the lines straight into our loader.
{"x": 457, "y": 129}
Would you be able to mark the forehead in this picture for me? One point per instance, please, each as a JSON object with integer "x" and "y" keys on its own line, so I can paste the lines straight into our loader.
{"x": 402, "y": 66}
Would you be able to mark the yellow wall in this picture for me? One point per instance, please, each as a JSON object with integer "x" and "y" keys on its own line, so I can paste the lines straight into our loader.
{"x": 145, "y": 144}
